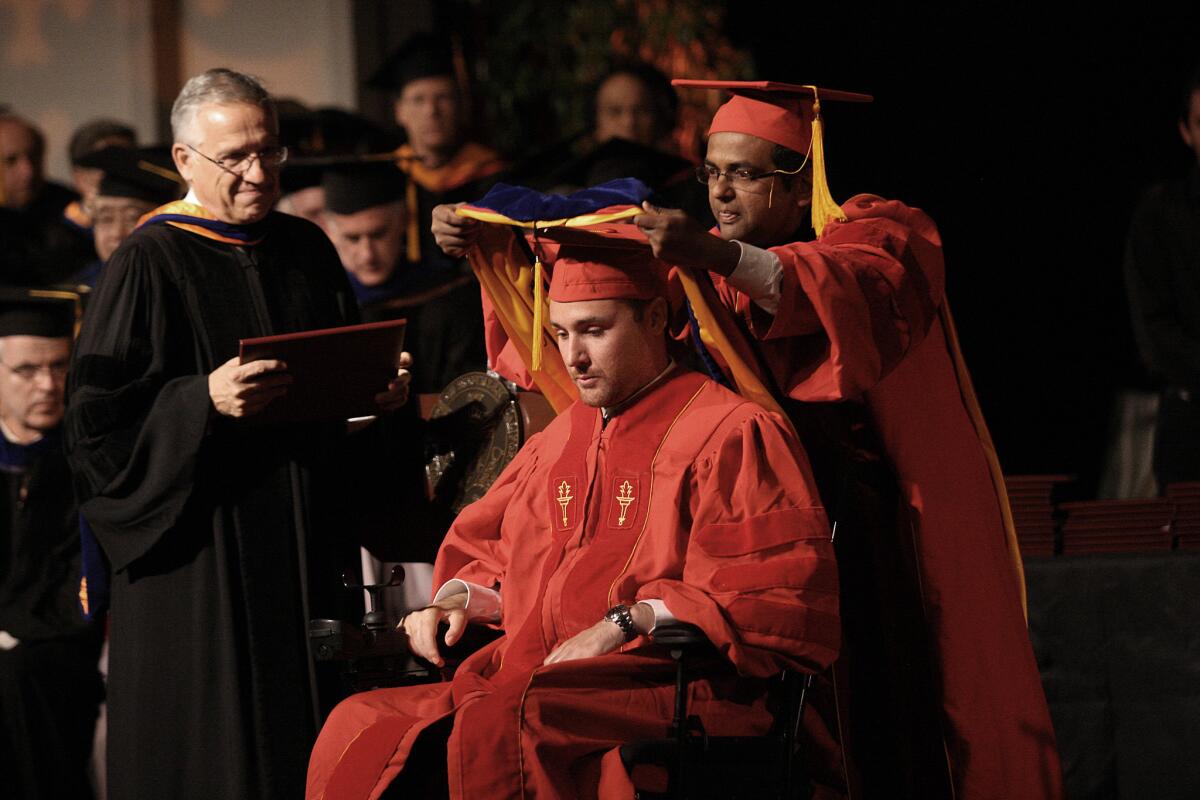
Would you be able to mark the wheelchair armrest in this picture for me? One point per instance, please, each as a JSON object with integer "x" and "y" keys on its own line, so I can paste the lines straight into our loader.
{"x": 682, "y": 640}
{"x": 678, "y": 634}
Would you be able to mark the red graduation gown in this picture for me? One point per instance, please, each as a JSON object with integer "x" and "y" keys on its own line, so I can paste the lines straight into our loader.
{"x": 859, "y": 319}
{"x": 693, "y": 496}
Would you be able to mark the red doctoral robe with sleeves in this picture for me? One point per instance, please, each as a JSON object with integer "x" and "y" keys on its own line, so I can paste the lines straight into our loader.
{"x": 693, "y": 496}
{"x": 861, "y": 318}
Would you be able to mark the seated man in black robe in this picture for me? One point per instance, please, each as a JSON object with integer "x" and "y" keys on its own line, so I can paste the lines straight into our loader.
{"x": 49, "y": 684}
{"x": 132, "y": 183}
{"x": 366, "y": 219}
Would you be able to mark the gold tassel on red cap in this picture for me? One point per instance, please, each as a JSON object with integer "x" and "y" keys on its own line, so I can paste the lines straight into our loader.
{"x": 824, "y": 208}
{"x": 539, "y": 303}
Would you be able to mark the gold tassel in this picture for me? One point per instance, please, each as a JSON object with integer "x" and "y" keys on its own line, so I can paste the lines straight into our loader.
{"x": 414, "y": 223}
{"x": 539, "y": 300}
{"x": 824, "y": 208}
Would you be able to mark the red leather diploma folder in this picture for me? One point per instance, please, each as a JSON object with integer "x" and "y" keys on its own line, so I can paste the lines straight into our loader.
{"x": 336, "y": 371}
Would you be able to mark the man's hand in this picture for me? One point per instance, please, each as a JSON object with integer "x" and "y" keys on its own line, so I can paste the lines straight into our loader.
{"x": 603, "y": 637}
{"x": 678, "y": 239}
{"x": 421, "y": 626}
{"x": 397, "y": 389}
{"x": 454, "y": 234}
{"x": 241, "y": 390}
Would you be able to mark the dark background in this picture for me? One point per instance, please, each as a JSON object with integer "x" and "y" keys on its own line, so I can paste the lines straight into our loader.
{"x": 1028, "y": 135}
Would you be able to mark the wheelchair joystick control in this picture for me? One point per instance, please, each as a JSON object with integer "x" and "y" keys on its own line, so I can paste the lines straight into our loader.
{"x": 374, "y": 619}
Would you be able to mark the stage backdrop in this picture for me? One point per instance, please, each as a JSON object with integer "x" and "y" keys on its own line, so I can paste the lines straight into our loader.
{"x": 64, "y": 63}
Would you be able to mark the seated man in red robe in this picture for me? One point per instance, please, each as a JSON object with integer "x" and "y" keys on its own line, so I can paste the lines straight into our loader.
{"x": 658, "y": 495}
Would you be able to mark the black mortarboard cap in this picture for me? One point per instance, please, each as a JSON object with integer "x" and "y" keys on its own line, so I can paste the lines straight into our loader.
{"x": 422, "y": 55}
{"x": 355, "y": 186}
{"x": 144, "y": 173}
{"x": 37, "y": 312}
{"x": 314, "y": 138}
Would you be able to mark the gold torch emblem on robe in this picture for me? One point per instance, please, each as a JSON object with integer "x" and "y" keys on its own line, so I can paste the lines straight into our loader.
{"x": 564, "y": 499}
{"x": 624, "y": 498}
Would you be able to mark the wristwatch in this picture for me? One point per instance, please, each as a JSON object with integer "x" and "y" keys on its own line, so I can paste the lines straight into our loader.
{"x": 620, "y": 616}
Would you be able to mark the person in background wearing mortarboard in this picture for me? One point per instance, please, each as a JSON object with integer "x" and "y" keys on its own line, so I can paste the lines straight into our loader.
{"x": 98, "y": 134}
{"x": 132, "y": 184}
{"x": 301, "y": 193}
{"x": 365, "y": 216}
{"x": 37, "y": 245}
{"x": 50, "y": 687}
{"x": 366, "y": 219}
{"x": 314, "y": 137}
{"x": 441, "y": 163}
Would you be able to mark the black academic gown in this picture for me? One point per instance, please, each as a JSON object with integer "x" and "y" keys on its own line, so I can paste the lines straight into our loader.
{"x": 445, "y": 323}
{"x": 50, "y": 688}
{"x": 441, "y": 302}
{"x": 217, "y": 530}
{"x": 37, "y": 246}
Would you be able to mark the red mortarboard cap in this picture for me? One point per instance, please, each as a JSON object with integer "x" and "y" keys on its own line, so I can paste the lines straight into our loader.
{"x": 587, "y": 272}
{"x": 611, "y": 261}
{"x": 781, "y": 113}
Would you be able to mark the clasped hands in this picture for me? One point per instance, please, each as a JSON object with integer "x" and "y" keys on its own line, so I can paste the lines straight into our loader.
{"x": 242, "y": 390}
{"x": 421, "y": 627}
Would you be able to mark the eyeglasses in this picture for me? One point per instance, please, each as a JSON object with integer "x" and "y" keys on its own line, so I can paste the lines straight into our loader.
{"x": 127, "y": 219}
{"x": 269, "y": 158}
{"x": 740, "y": 178}
{"x": 27, "y": 372}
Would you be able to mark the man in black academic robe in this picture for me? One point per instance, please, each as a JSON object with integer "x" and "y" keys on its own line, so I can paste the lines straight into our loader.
{"x": 439, "y": 158}
{"x": 218, "y": 529}
{"x": 365, "y": 218}
{"x": 49, "y": 685}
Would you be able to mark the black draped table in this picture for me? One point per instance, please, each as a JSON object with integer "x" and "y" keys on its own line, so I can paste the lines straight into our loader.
{"x": 1117, "y": 639}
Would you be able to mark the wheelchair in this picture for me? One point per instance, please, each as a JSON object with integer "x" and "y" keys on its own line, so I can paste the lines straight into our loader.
{"x": 477, "y": 426}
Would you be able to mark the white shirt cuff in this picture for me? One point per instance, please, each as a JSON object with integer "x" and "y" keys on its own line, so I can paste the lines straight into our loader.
{"x": 662, "y": 614}
{"x": 483, "y": 604}
{"x": 758, "y": 274}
